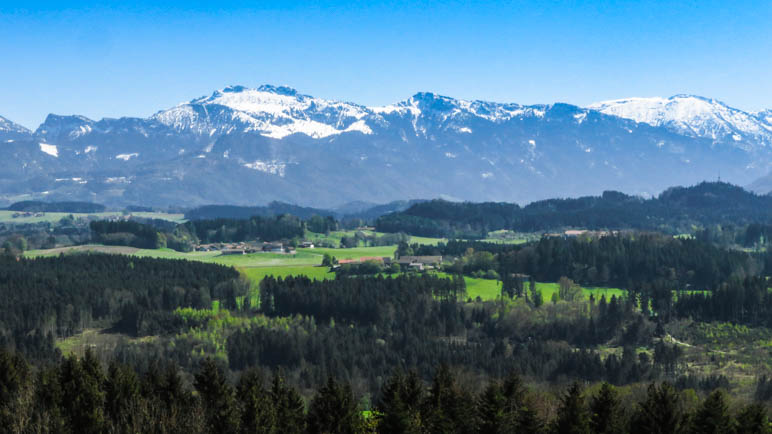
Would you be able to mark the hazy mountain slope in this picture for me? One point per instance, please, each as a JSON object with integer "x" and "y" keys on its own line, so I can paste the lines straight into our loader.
{"x": 253, "y": 146}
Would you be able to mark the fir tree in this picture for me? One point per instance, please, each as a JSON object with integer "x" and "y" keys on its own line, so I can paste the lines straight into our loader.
{"x": 605, "y": 411}
{"x": 573, "y": 417}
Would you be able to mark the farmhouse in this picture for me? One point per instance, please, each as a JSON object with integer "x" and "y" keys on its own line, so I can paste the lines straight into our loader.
{"x": 307, "y": 245}
{"x": 273, "y": 247}
{"x": 423, "y": 260}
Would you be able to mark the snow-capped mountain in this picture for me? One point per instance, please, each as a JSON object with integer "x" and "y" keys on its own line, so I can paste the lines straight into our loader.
{"x": 765, "y": 116}
{"x": 695, "y": 116}
{"x": 252, "y": 146}
{"x": 11, "y": 131}
{"x": 271, "y": 111}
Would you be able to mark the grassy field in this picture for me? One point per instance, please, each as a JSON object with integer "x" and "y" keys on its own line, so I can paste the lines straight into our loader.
{"x": 256, "y": 274}
{"x": 7, "y": 216}
{"x": 353, "y": 253}
{"x": 488, "y": 289}
{"x": 427, "y": 241}
{"x": 95, "y": 338}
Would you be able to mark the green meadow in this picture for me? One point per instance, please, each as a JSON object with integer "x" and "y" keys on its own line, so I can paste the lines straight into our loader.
{"x": 7, "y": 216}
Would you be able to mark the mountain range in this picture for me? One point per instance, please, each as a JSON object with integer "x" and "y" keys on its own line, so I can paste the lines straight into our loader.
{"x": 253, "y": 146}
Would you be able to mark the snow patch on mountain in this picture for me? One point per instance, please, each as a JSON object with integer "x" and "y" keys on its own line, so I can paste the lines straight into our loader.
{"x": 693, "y": 116}
{"x": 127, "y": 157}
{"x": 273, "y": 167}
{"x": 51, "y": 150}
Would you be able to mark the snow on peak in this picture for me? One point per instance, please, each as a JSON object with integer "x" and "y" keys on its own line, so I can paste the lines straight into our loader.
{"x": 692, "y": 115}
{"x": 272, "y": 111}
{"x": 6, "y": 126}
{"x": 443, "y": 108}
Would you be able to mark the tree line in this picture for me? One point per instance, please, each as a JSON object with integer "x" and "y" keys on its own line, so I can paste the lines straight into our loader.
{"x": 676, "y": 210}
{"x": 46, "y": 298}
{"x": 81, "y": 396}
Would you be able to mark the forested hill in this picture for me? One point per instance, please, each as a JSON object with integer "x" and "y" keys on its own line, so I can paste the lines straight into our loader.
{"x": 38, "y": 206}
{"x": 209, "y": 212}
{"x": 676, "y": 210}
{"x": 355, "y": 210}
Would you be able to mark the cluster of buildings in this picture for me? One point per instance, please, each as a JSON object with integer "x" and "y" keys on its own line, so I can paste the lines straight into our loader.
{"x": 416, "y": 263}
{"x": 574, "y": 233}
{"x": 17, "y": 215}
{"x": 242, "y": 248}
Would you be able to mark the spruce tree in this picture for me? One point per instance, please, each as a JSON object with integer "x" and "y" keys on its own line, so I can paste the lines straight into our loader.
{"x": 334, "y": 410}
{"x": 573, "y": 416}
{"x": 752, "y": 420}
{"x": 399, "y": 404}
{"x": 605, "y": 411}
{"x": 258, "y": 414}
{"x": 528, "y": 422}
{"x": 492, "y": 416}
{"x": 713, "y": 415}
{"x": 217, "y": 398}
{"x": 82, "y": 396}
{"x": 447, "y": 406}
{"x": 289, "y": 407}
{"x": 660, "y": 413}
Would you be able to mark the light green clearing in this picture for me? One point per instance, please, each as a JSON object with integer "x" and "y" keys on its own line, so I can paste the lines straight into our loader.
{"x": 7, "y": 216}
{"x": 353, "y": 253}
{"x": 249, "y": 260}
{"x": 427, "y": 241}
{"x": 256, "y": 274}
{"x": 488, "y": 289}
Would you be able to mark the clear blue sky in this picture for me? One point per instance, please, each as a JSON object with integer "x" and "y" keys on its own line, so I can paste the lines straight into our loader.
{"x": 107, "y": 60}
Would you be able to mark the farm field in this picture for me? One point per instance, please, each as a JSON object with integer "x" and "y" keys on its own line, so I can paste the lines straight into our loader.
{"x": 7, "y": 216}
{"x": 353, "y": 253}
{"x": 488, "y": 289}
{"x": 335, "y": 237}
{"x": 256, "y": 274}
{"x": 239, "y": 261}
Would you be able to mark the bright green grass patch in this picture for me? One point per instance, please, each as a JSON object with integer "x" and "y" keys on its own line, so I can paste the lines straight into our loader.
{"x": 305, "y": 257}
{"x": 488, "y": 289}
{"x": 353, "y": 253}
{"x": 427, "y": 241}
{"x": 256, "y": 274}
{"x": 248, "y": 260}
{"x": 547, "y": 289}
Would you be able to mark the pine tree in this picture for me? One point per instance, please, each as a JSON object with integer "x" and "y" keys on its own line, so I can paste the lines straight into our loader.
{"x": 82, "y": 397}
{"x": 660, "y": 413}
{"x": 752, "y": 420}
{"x": 528, "y": 422}
{"x": 605, "y": 411}
{"x": 217, "y": 398}
{"x": 289, "y": 406}
{"x": 491, "y": 412}
{"x": 258, "y": 414}
{"x": 399, "y": 405}
{"x": 447, "y": 406}
{"x": 334, "y": 410}
{"x": 122, "y": 398}
{"x": 15, "y": 392}
{"x": 573, "y": 417}
{"x": 713, "y": 415}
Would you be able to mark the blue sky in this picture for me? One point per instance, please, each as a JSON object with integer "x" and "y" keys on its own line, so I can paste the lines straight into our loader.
{"x": 108, "y": 60}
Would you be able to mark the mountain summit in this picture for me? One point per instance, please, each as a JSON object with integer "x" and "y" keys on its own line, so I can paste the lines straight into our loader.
{"x": 271, "y": 111}
{"x": 695, "y": 116}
